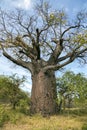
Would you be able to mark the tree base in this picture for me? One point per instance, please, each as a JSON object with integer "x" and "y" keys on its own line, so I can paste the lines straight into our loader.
{"x": 43, "y": 98}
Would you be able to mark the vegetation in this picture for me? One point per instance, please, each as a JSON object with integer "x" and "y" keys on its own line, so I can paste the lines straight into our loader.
{"x": 15, "y": 120}
{"x": 3, "y": 116}
{"x": 72, "y": 90}
{"x": 10, "y": 92}
{"x": 43, "y": 42}
{"x": 72, "y": 118}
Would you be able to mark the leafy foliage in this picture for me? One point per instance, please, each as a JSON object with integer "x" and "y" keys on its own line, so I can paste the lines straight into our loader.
{"x": 10, "y": 90}
{"x": 72, "y": 88}
{"x": 84, "y": 127}
{"x": 3, "y": 116}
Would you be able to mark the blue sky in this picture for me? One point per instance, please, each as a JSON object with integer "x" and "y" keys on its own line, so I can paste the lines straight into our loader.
{"x": 71, "y": 6}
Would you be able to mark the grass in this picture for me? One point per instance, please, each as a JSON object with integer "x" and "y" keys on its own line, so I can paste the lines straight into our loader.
{"x": 39, "y": 123}
{"x": 69, "y": 120}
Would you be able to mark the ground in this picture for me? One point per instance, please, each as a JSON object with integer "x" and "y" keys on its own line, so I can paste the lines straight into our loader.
{"x": 69, "y": 120}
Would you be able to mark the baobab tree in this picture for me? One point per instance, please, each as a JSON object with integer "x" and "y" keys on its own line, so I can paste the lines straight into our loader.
{"x": 43, "y": 42}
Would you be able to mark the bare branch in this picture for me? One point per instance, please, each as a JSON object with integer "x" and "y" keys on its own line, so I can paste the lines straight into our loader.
{"x": 19, "y": 62}
{"x": 58, "y": 66}
{"x": 81, "y": 52}
{"x": 29, "y": 37}
{"x": 44, "y": 28}
{"x": 64, "y": 57}
{"x": 71, "y": 27}
{"x": 70, "y": 58}
{"x": 58, "y": 49}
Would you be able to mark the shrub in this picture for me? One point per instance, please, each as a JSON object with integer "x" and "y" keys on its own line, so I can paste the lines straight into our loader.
{"x": 3, "y": 116}
{"x": 24, "y": 107}
{"x": 84, "y": 127}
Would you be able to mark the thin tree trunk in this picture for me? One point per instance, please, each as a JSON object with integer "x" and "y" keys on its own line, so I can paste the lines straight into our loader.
{"x": 60, "y": 105}
{"x": 43, "y": 96}
{"x": 14, "y": 105}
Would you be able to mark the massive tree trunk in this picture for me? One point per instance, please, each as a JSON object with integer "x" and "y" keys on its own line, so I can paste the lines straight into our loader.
{"x": 43, "y": 96}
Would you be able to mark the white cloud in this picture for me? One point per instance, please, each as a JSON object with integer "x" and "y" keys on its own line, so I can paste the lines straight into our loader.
{"x": 10, "y": 4}
{"x": 24, "y": 4}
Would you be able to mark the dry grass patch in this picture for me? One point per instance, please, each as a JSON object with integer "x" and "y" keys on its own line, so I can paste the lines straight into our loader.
{"x": 37, "y": 122}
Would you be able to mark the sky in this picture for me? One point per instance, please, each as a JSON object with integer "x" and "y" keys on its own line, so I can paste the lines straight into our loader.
{"x": 71, "y": 7}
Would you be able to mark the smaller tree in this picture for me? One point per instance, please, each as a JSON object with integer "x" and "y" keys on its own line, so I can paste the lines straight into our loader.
{"x": 71, "y": 88}
{"x": 10, "y": 89}
{"x": 81, "y": 90}
{"x": 3, "y": 89}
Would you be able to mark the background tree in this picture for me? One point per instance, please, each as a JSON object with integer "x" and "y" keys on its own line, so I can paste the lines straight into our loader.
{"x": 72, "y": 90}
{"x": 3, "y": 89}
{"x": 81, "y": 91}
{"x": 10, "y": 91}
{"x": 66, "y": 89}
{"x": 43, "y": 42}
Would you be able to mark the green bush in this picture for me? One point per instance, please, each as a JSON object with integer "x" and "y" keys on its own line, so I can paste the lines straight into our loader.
{"x": 3, "y": 116}
{"x": 84, "y": 127}
{"x": 14, "y": 117}
{"x": 23, "y": 106}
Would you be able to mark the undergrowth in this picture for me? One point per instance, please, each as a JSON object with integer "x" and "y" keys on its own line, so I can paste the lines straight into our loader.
{"x": 68, "y": 120}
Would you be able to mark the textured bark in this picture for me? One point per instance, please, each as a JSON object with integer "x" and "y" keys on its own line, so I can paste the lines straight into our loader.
{"x": 43, "y": 98}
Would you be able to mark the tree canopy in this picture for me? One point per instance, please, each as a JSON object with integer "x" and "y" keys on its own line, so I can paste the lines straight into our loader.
{"x": 10, "y": 91}
{"x": 72, "y": 88}
{"x": 47, "y": 35}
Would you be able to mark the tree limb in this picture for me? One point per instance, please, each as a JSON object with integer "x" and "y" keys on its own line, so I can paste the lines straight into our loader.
{"x": 28, "y": 51}
{"x": 58, "y": 66}
{"x": 26, "y": 65}
{"x": 71, "y": 27}
{"x": 71, "y": 57}
{"x": 58, "y": 49}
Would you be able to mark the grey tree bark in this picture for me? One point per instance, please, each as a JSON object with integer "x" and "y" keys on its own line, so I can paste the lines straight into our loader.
{"x": 43, "y": 96}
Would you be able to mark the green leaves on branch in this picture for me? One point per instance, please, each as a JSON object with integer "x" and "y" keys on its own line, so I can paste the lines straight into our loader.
{"x": 81, "y": 38}
{"x": 10, "y": 91}
{"x": 57, "y": 18}
{"x": 72, "y": 88}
